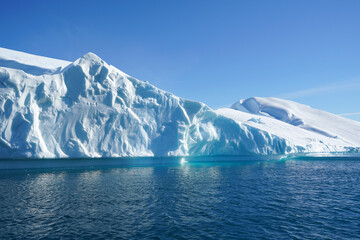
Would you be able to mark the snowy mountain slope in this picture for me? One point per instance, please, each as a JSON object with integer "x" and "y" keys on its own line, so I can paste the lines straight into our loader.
{"x": 304, "y": 140}
{"x": 305, "y": 117}
{"x": 91, "y": 109}
{"x": 29, "y": 63}
{"x": 311, "y": 130}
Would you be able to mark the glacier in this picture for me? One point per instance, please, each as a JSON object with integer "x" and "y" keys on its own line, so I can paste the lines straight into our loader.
{"x": 52, "y": 108}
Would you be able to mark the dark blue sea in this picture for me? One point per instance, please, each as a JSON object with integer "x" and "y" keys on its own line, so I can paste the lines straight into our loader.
{"x": 181, "y": 198}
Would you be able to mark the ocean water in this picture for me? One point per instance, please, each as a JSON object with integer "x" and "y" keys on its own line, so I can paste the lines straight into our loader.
{"x": 181, "y": 198}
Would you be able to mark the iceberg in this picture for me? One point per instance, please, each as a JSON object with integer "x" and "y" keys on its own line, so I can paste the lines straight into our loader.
{"x": 51, "y": 108}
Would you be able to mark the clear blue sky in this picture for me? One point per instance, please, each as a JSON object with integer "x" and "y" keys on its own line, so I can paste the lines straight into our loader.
{"x": 216, "y": 52}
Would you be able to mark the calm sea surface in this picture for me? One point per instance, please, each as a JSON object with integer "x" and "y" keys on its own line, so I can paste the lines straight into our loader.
{"x": 174, "y": 198}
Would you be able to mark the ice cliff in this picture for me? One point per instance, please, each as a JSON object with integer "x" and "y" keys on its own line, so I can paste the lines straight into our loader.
{"x": 51, "y": 108}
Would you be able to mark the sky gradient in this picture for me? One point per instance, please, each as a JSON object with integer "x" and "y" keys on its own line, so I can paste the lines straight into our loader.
{"x": 216, "y": 52}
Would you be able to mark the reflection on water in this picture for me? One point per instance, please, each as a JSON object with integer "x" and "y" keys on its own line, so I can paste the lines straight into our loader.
{"x": 184, "y": 199}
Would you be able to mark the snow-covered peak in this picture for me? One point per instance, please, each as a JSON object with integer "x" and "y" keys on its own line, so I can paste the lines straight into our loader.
{"x": 90, "y": 58}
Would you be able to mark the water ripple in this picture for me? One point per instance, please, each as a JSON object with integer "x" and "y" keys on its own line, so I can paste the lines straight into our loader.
{"x": 239, "y": 200}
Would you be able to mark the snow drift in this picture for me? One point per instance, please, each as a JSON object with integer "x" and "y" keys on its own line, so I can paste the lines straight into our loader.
{"x": 51, "y": 108}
